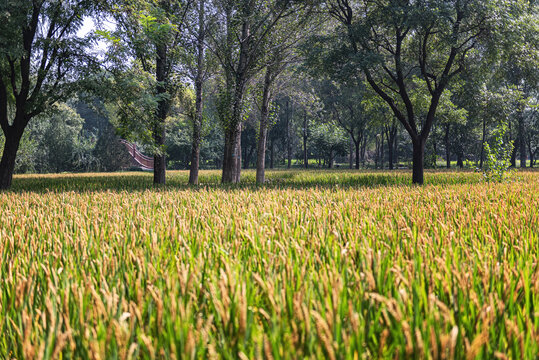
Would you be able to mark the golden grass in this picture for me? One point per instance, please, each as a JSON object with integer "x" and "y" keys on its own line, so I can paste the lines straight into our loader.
{"x": 336, "y": 265}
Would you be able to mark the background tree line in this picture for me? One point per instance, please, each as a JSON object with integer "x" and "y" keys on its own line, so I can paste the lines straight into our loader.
{"x": 235, "y": 84}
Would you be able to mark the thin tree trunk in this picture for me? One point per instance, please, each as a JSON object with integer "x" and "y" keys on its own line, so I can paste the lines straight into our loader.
{"x": 159, "y": 167}
{"x": 351, "y": 153}
{"x": 330, "y": 162}
{"x": 357, "y": 145}
{"x": 264, "y": 114}
{"x": 197, "y": 121}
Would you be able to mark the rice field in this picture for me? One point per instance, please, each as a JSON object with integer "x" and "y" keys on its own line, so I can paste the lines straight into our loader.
{"x": 314, "y": 265}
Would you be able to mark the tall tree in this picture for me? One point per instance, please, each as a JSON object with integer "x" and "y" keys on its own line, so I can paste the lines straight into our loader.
{"x": 147, "y": 43}
{"x": 41, "y": 58}
{"x": 239, "y": 44}
{"x": 395, "y": 41}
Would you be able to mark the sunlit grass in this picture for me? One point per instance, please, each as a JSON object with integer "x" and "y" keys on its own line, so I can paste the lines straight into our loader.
{"x": 317, "y": 264}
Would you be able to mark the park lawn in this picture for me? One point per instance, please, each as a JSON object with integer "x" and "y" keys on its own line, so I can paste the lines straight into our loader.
{"x": 315, "y": 264}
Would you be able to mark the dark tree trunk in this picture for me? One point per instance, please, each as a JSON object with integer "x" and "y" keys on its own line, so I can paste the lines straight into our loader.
{"x": 159, "y": 167}
{"x": 197, "y": 121}
{"x": 229, "y": 158}
{"x": 330, "y": 162}
{"x": 460, "y": 162}
{"x": 7, "y": 164}
{"x": 418, "y": 161}
{"x": 351, "y": 153}
{"x": 447, "y": 149}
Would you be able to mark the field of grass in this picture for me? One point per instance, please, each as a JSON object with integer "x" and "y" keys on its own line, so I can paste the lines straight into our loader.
{"x": 318, "y": 264}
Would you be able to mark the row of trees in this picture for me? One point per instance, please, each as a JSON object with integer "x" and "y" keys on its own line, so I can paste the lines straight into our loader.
{"x": 356, "y": 76}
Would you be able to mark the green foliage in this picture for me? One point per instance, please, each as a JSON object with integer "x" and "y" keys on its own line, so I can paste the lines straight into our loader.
{"x": 498, "y": 156}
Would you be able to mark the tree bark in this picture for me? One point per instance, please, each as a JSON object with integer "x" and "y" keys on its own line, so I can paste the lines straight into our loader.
{"x": 159, "y": 167}
{"x": 232, "y": 156}
{"x": 9, "y": 155}
{"x": 460, "y": 162}
{"x": 197, "y": 121}
{"x": 418, "y": 161}
{"x": 237, "y": 163}
{"x": 351, "y": 153}
{"x": 263, "y": 133}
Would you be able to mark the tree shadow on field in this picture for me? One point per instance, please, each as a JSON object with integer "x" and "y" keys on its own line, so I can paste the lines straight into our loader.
{"x": 210, "y": 179}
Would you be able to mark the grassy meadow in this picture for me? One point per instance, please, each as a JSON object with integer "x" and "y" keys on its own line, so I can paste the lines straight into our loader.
{"x": 314, "y": 265}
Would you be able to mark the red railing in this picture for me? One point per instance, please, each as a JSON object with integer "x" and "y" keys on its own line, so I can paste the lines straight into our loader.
{"x": 145, "y": 162}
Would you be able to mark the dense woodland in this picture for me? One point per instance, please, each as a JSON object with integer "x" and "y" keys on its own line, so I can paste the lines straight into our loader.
{"x": 237, "y": 84}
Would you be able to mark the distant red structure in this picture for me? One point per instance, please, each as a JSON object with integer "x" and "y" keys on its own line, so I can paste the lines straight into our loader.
{"x": 141, "y": 160}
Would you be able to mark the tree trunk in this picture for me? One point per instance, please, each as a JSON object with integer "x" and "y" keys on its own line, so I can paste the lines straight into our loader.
{"x": 7, "y": 164}
{"x": 159, "y": 166}
{"x": 237, "y": 163}
{"x": 197, "y": 121}
{"x": 357, "y": 145}
{"x": 330, "y": 162}
{"x": 351, "y": 153}
{"x": 447, "y": 149}
{"x": 460, "y": 162}
{"x": 262, "y": 138}
{"x": 418, "y": 160}
{"x": 382, "y": 151}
